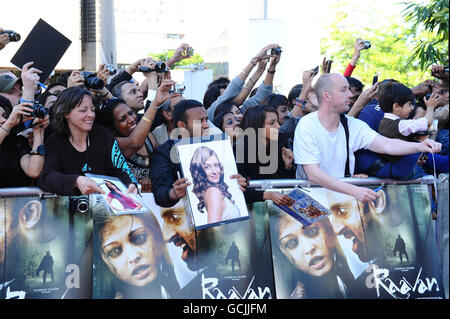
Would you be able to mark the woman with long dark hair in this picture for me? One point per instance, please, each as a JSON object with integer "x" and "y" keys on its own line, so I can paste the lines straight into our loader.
{"x": 77, "y": 146}
{"x": 260, "y": 155}
{"x": 209, "y": 186}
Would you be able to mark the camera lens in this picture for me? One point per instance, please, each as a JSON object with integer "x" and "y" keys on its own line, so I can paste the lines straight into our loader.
{"x": 93, "y": 82}
{"x": 39, "y": 110}
{"x": 13, "y": 36}
{"x": 82, "y": 205}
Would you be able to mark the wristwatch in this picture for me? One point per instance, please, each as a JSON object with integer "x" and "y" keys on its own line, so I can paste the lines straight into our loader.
{"x": 39, "y": 151}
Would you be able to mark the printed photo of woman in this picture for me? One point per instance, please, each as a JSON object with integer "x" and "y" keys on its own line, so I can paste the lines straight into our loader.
{"x": 126, "y": 202}
{"x": 209, "y": 187}
{"x": 309, "y": 259}
{"x": 134, "y": 253}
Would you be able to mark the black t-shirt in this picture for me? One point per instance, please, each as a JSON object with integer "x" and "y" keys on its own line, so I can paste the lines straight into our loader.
{"x": 12, "y": 149}
{"x": 63, "y": 163}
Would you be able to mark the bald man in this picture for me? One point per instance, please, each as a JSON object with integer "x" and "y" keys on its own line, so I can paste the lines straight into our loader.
{"x": 320, "y": 142}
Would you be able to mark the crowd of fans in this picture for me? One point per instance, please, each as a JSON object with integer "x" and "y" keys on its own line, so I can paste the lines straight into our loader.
{"x": 112, "y": 125}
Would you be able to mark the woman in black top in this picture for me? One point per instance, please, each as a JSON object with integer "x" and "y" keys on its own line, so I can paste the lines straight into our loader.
{"x": 260, "y": 155}
{"x": 77, "y": 146}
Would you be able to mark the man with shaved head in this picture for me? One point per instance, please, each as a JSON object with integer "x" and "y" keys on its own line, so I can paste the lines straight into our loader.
{"x": 320, "y": 142}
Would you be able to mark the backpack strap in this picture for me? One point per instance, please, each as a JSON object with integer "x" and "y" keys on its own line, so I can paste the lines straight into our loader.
{"x": 343, "y": 120}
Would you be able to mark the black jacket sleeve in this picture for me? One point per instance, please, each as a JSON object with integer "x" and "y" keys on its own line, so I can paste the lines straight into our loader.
{"x": 163, "y": 173}
{"x": 52, "y": 179}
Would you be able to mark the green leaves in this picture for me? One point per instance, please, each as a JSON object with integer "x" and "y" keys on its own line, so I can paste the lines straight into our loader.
{"x": 433, "y": 18}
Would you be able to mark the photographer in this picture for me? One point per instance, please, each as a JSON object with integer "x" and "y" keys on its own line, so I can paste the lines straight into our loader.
{"x": 22, "y": 156}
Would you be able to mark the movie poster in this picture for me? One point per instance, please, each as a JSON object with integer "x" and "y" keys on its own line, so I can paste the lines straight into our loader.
{"x": 173, "y": 260}
{"x": 44, "y": 248}
{"x": 382, "y": 249}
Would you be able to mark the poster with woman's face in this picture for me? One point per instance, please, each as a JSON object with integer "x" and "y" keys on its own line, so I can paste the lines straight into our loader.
{"x": 215, "y": 198}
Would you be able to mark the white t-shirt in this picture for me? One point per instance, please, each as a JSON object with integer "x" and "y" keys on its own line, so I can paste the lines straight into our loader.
{"x": 313, "y": 144}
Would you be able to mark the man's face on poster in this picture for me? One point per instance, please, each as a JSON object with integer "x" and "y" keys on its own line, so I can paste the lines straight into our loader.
{"x": 348, "y": 221}
{"x": 176, "y": 230}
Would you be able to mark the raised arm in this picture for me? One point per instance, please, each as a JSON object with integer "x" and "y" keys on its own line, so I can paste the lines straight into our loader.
{"x": 393, "y": 146}
{"x": 132, "y": 143}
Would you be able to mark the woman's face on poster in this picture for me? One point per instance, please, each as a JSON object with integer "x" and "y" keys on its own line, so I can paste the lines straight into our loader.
{"x": 129, "y": 250}
{"x": 307, "y": 248}
{"x": 212, "y": 169}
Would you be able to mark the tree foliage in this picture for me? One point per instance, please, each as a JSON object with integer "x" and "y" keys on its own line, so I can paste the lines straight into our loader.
{"x": 163, "y": 56}
{"x": 391, "y": 45}
{"x": 432, "y": 17}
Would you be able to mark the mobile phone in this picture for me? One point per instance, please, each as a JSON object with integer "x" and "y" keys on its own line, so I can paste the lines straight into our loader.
{"x": 316, "y": 70}
{"x": 375, "y": 79}
{"x": 329, "y": 65}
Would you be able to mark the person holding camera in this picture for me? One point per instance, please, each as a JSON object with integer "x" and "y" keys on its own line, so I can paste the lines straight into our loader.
{"x": 22, "y": 155}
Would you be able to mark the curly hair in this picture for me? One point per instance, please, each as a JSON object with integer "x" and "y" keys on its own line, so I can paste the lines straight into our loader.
{"x": 201, "y": 182}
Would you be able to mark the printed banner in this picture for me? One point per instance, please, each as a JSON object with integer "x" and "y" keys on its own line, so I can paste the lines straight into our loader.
{"x": 161, "y": 255}
{"x": 76, "y": 247}
{"x": 382, "y": 249}
{"x": 44, "y": 248}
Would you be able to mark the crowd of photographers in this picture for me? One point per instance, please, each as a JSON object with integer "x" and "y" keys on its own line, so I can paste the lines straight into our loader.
{"x": 109, "y": 124}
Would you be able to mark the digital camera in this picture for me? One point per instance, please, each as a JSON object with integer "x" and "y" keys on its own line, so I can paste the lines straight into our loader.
{"x": 110, "y": 67}
{"x": 79, "y": 204}
{"x": 276, "y": 51}
{"x": 39, "y": 110}
{"x": 367, "y": 44}
{"x": 160, "y": 67}
{"x": 13, "y": 36}
{"x": 178, "y": 88}
{"x": 91, "y": 81}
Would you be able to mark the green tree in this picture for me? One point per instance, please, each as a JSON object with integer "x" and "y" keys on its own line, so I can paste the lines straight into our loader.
{"x": 196, "y": 58}
{"x": 431, "y": 17}
{"x": 391, "y": 45}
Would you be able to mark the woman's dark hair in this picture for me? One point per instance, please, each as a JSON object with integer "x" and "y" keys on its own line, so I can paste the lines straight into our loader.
{"x": 43, "y": 97}
{"x": 104, "y": 113}
{"x": 211, "y": 94}
{"x": 221, "y": 82}
{"x": 225, "y": 106}
{"x": 393, "y": 92}
{"x": 218, "y": 119}
{"x": 275, "y": 100}
{"x": 353, "y": 82}
{"x": 256, "y": 116}
{"x": 6, "y": 104}
{"x": 69, "y": 99}
{"x": 63, "y": 77}
{"x": 293, "y": 93}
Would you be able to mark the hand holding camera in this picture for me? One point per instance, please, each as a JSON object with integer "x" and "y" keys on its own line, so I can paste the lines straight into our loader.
{"x": 264, "y": 53}
{"x": 105, "y": 71}
{"x": 7, "y": 36}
